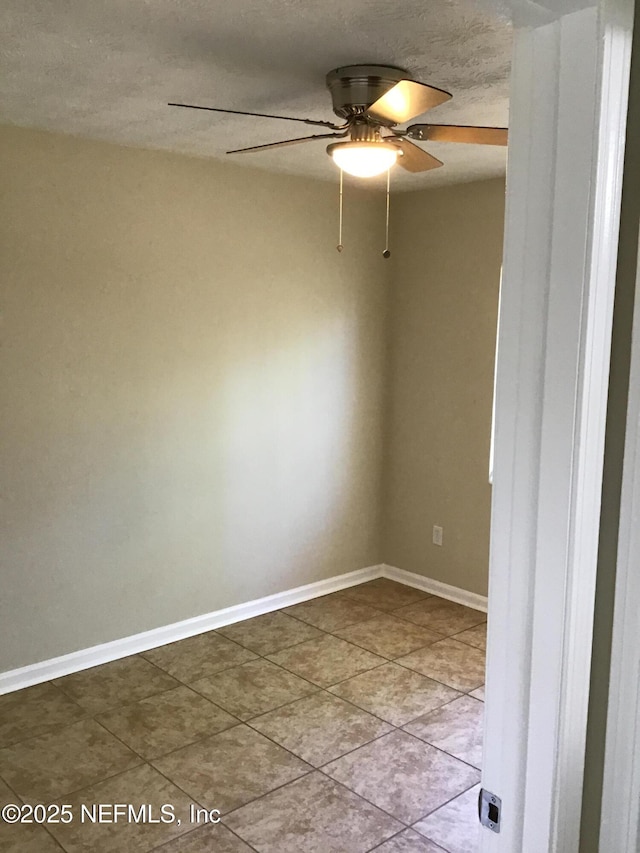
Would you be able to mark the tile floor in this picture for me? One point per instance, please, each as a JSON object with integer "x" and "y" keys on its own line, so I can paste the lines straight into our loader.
{"x": 346, "y": 724}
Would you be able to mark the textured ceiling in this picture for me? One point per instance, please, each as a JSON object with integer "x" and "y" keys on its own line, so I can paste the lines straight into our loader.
{"x": 105, "y": 70}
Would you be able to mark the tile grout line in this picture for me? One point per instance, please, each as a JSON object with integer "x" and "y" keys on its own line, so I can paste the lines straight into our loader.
{"x": 386, "y": 660}
{"x": 44, "y": 826}
{"x": 189, "y": 686}
{"x": 444, "y": 752}
{"x": 394, "y": 728}
{"x": 93, "y": 716}
{"x": 464, "y": 692}
{"x": 395, "y": 660}
{"x": 333, "y": 781}
{"x": 327, "y": 689}
{"x": 360, "y": 796}
{"x": 200, "y": 805}
{"x": 441, "y": 806}
{"x": 147, "y": 762}
{"x": 165, "y": 844}
{"x": 316, "y": 690}
{"x": 181, "y": 682}
{"x": 314, "y": 769}
{"x": 237, "y": 722}
{"x": 342, "y": 755}
{"x": 398, "y": 834}
{"x": 222, "y": 669}
{"x": 261, "y": 713}
{"x": 380, "y": 613}
{"x": 321, "y": 770}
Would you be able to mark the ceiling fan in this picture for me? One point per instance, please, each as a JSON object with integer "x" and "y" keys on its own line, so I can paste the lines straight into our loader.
{"x": 372, "y": 100}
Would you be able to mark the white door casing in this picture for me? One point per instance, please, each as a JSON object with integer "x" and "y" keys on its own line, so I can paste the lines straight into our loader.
{"x": 568, "y": 113}
{"x": 620, "y": 815}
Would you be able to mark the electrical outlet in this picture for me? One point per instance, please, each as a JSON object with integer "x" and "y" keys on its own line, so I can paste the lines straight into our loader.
{"x": 437, "y": 535}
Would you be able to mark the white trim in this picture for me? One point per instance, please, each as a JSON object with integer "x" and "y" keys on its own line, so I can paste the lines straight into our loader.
{"x": 433, "y": 587}
{"x": 517, "y": 430}
{"x": 36, "y": 673}
{"x": 620, "y": 818}
{"x": 25, "y": 676}
{"x": 590, "y": 260}
{"x": 589, "y": 437}
{"x": 568, "y": 114}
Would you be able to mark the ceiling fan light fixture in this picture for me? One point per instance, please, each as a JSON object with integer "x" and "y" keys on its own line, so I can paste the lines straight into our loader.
{"x": 364, "y": 159}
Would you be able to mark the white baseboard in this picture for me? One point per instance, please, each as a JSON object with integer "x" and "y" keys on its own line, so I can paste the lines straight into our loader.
{"x": 443, "y": 590}
{"x": 36, "y": 673}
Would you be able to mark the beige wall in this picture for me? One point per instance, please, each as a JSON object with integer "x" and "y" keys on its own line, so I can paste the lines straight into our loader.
{"x": 447, "y": 246}
{"x": 191, "y": 380}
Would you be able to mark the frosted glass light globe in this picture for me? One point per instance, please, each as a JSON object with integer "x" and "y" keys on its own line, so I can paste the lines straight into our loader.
{"x": 364, "y": 159}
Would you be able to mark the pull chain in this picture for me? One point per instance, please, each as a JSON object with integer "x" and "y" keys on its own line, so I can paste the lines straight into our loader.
{"x": 340, "y": 247}
{"x": 387, "y": 251}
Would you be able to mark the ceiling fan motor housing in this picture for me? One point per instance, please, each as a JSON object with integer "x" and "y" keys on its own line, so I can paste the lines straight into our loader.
{"x": 354, "y": 88}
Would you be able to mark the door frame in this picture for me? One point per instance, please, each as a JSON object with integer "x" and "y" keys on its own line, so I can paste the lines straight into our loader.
{"x": 620, "y": 807}
{"x": 620, "y": 815}
{"x": 569, "y": 92}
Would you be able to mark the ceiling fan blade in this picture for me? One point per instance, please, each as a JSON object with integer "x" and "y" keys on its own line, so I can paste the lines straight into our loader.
{"x": 413, "y": 158}
{"x": 287, "y": 142}
{"x": 260, "y": 115}
{"x": 406, "y": 100}
{"x": 459, "y": 133}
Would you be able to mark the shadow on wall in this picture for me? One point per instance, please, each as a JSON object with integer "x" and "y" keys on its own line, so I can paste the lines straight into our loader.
{"x": 196, "y": 383}
{"x": 289, "y": 439}
{"x": 208, "y": 485}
